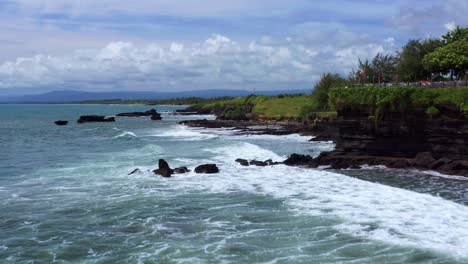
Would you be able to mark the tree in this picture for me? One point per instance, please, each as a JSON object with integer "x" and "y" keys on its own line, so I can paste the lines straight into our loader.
{"x": 366, "y": 71}
{"x": 456, "y": 34}
{"x": 410, "y": 66}
{"x": 323, "y": 86}
{"x": 384, "y": 67}
{"x": 452, "y": 58}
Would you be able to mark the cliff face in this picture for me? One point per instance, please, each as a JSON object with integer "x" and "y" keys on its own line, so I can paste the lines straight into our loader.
{"x": 410, "y": 139}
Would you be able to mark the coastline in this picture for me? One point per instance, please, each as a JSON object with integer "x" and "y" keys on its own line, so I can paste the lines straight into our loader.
{"x": 346, "y": 155}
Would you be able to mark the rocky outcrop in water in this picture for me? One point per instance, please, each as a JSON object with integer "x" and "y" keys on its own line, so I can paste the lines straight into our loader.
{"x": 258, "y": 163}
{"x": 156, "y": 117}
{"x": 61, "y": 122}
{"x": 164, "y": 169}
{"x": 138, "y": 114}
{"x": 181, "y": 170}
{"x": 95, "y": 118}
{"x": 207, "y": 169}
{"x": 135, "y": 171}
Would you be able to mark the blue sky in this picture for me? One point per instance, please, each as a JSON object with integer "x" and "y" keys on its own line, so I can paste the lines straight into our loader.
{"x": 205, "y": 44}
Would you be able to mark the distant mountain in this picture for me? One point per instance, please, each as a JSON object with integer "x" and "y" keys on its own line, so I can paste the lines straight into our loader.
{"x": 78, "y": 96}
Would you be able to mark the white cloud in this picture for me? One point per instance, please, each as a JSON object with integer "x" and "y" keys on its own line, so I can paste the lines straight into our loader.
{"x": 429, "y": 17}
{"x": 218, "y": 62}
{"x": 186, "y": 8}
{"x": 450, "y": 26}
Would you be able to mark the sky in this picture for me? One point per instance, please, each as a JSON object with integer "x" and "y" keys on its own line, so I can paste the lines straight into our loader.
{"x": 176, "y": 45}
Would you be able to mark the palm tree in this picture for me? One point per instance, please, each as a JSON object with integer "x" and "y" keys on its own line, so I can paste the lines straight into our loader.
{"x": 365, "y": 71}
{"x": 384, "y": 66}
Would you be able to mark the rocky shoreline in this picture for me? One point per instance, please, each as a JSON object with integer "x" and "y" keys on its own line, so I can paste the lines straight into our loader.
{"x": 398, "y": 141}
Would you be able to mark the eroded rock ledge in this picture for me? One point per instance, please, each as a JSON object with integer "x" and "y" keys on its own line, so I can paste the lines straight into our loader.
{"x": 397, "y": 140}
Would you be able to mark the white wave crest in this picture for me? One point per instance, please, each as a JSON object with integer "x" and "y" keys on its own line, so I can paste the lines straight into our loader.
{"x": 184, "y": 133}
{"x": 126, "y": 134}
{"x": 365, "y": 209}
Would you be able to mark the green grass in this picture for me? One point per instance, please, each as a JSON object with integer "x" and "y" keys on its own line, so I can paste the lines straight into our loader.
{"x": 282, "y": 108}
{"x": 270, "y": 107}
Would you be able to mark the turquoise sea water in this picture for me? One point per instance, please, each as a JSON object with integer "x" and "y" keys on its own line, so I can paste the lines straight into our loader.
{"x": 66, "y": 197}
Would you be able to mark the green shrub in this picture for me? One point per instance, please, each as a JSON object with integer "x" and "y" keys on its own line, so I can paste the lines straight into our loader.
{"x": 382, "y": 100}
{"x": 236, "y": 113}
{"x": 432, "y": 111}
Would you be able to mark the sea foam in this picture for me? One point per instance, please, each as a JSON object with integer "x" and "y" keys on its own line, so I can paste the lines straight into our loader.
{"x": 368, "y": 210}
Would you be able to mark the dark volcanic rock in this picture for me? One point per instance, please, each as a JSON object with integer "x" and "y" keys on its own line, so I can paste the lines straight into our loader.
{"x": 164, "y": 169}
{"x": 242, "y": 162}
{"x": 134, "y": 171}
{"x": 439, "y": 163}
{"x": 396, "y": 140}
{"x": 258, "y": 163}
{"x": 181, "y": 170}
{"x": 297, "y": 159}
{"x": 137, "y": 114}
{"x": 61, "y": 122}
{"x": 207, "y": 169}
{"x": 95, "y": 118}
{"x": 156, "y": 117}
{"x": 423, "y": 160}
{"x": 400, "y": 164}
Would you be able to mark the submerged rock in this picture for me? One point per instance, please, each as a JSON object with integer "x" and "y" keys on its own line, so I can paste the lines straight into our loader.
{"x": 156, "y": 117}
{"x": 95, "y": 118}
{"x": 61, "y": 122}
{"x": 258, "y": 163}
{"x": 164, "y": 169}
{"x": 181, "y": 170}
{"x": 269, "y": 162}
{"x": 242, "y": 162}
{"x": 207, "y": 169}
{"x": 135, "y": 171}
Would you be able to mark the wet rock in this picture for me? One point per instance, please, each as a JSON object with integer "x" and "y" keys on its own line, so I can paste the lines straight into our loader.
{"x": 61, "y": 122}
{"x": 156, "y": 117}
{"x": 297, "y": 159}
{"x": 258, "y": 163}
{"x": 272, "y": 163}
{"x": 400, "y": 164}
{"x": 207, "y": 169}
{"x": 181, "y": 170}
{"x": 95, "y": 118}
{"x": 138, "y": 114}
{"x": 423, "y": 159}
{"x": 164, "y": 169}
{"x": 456, "y": 166}
{"x": 135, "y": 171}
{"x": 439, "y": 163}
{"x": 242, "y": 162}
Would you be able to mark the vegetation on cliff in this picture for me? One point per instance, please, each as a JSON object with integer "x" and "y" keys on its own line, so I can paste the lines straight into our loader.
{"x": 381, "y": 100}
{"x": 262, "y": 107}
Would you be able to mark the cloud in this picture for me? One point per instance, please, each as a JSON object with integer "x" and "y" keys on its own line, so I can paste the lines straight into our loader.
{"x": 160, "y": 44}
{"x": 217, "y": 62}
{"x": 185, "y": 8}
{"x": 431, "y": 18}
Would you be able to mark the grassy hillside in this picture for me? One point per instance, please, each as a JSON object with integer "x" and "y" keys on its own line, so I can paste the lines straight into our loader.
{"x": 280, "y": 107}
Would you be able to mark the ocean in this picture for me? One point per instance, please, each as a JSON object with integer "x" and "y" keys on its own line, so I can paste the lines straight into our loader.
{"x": 66, "y": 197}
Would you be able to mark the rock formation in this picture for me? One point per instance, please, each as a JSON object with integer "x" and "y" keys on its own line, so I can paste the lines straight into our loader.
{"x": 207, "y": 169}
{"x": 164, "y": 169}
{"x": 61, "y": 122}
{"x": 95, "y": 118}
